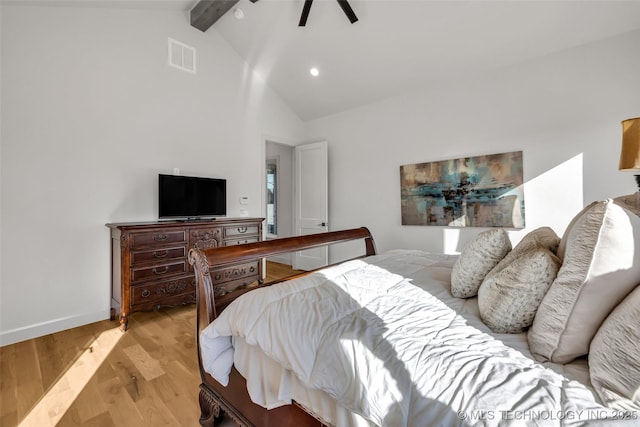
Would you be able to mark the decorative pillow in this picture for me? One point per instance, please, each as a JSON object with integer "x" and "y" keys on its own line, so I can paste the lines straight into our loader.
{"x": 540, "y": 237}
{"x": 509, "y": 299}
{"x": 601, "y": 266}
{"x": 478, "y": 257}
{"x": 563, "y": 242}
{"x": 630, "y": 202}
{"x": 543, "y": 236}
{"x": 614, "y": 357}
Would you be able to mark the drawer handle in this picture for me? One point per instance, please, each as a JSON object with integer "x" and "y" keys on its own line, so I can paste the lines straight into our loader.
{"x": 252, "y": 269}
{"x": 242, "y": 229}
{"x": 220, "y": 292}
{"x": 164, "y": 270}
{"x": 160, "y": 237}
{"x": 217, "y": 277}
{"x": 146, "y": 293}
{"x": 157, "y": 255}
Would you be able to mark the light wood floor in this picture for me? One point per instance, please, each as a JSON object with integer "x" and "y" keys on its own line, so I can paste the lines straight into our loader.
{"x": 95, "y": 375}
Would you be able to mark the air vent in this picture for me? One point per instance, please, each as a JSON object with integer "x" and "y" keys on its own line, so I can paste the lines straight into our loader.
{"x": 182, "y": 56}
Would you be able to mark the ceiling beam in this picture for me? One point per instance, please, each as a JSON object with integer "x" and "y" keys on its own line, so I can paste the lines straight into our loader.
{"x": 206, "y": 12}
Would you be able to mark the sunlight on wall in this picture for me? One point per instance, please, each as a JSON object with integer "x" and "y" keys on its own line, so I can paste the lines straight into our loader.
{"x": 552, "y": 199}
{"x": 450, "y": 239}
{"x": 53, "y": 405}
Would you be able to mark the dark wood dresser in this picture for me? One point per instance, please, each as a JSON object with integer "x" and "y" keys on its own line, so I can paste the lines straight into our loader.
{"x": 150, "y": 266}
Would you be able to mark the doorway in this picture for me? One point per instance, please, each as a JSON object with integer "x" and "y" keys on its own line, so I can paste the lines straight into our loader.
{"x": 279, "y": 180}
{"x": 296, "y": 197}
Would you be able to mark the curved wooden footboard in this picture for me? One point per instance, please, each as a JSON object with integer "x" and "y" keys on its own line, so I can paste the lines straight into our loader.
{"x": 234, "y": 399}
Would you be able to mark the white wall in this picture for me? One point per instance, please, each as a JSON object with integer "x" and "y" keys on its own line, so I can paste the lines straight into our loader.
{"x": 91, "y": 113}
{"x": 563, "y": 111}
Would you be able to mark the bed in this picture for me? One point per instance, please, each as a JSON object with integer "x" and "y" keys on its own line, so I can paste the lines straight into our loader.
{"x": 410, "y": 338}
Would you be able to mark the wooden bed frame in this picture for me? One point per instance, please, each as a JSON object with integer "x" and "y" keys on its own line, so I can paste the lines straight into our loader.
{"x": 234, "y": 399}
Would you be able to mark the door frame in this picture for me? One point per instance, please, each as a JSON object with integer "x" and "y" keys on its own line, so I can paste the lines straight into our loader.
{"x": 289, "y": 259}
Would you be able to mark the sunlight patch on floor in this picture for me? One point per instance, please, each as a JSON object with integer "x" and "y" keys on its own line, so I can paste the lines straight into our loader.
{"x": 147, "y": 365}
{"x": 57, "y": 400}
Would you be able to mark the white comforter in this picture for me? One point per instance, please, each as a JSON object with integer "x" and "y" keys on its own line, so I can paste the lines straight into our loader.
{"x": 385, "y": 338}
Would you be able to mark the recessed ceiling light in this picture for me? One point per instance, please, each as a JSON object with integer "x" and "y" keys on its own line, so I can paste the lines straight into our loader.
{"x": 314, "y": 72}
{"x": 238, "y": 13}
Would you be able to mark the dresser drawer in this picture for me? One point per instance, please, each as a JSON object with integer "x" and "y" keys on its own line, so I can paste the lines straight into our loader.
{"x": 160, "y": 237}
{"x": 205, "y": 238}
{"x": 234, "y": 285}
{"x": 240, "y": 230}
{"x": 158, "y": 271}
{"x": 158, "y": 255}
{"x": 240, "y": 241}
{"x": 156, "y": 291}
{"x": 150, "y": 267}
{"x": 221, "y": 275}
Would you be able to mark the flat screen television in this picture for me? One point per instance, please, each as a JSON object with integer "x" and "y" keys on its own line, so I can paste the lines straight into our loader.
{"x": 190, "y": 197}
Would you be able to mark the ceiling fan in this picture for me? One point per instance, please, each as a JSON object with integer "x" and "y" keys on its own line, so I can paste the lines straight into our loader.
{"x": 344, "y": 4}
{"x": 206, "y": 12}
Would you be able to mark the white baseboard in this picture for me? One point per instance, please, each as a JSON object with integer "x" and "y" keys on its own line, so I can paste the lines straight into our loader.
{"x": 52, "y": 326}
{"x": 282, "y": 259}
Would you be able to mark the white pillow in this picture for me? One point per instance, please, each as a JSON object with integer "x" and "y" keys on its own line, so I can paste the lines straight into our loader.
{"x": 509, "y": 299}
{"x": 478, "y": 257}
{"x": 601, "y": 266}
{"x": 614, "y": 356}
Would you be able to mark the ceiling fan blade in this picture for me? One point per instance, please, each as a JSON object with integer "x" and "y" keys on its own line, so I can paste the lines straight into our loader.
{"x": 305, "y": 13}
{"x": 346, "y": 8}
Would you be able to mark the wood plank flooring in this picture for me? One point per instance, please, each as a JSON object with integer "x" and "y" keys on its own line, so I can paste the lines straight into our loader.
{"x": 95, "y": 375}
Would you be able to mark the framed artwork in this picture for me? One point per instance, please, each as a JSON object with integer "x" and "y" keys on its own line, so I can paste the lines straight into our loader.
{"x": 480, "y": 191}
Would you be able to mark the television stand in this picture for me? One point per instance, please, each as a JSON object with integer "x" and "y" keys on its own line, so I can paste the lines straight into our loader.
{"x": 150, "y": 267}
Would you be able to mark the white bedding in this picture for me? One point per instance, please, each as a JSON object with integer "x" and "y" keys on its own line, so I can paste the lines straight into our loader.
{"x": 384, "y": 337}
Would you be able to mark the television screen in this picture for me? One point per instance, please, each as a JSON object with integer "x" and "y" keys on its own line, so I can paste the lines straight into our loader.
{"x": 189, "y": 197}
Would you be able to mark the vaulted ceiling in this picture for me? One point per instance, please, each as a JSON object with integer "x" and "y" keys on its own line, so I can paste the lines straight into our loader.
{"x": 397, "y": 46}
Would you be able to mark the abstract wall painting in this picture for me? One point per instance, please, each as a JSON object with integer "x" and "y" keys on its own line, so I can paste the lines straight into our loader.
{"x": 480, "y": 191}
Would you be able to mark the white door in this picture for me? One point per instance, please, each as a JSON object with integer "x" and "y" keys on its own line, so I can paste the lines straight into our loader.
{"x": 311, "y": 201}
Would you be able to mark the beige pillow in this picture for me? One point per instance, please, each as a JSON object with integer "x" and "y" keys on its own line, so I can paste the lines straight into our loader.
{"x": 601, "y": 266}
{"x": 563, "y": 242}
{"x": 630, "y": 202}
{"x": 478, "y": 257}
{"x": 508, "y": 300}
{"x": 540, "y": 237}
{"x": 614, "y": 356}
{"x": 543, "y": 236}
